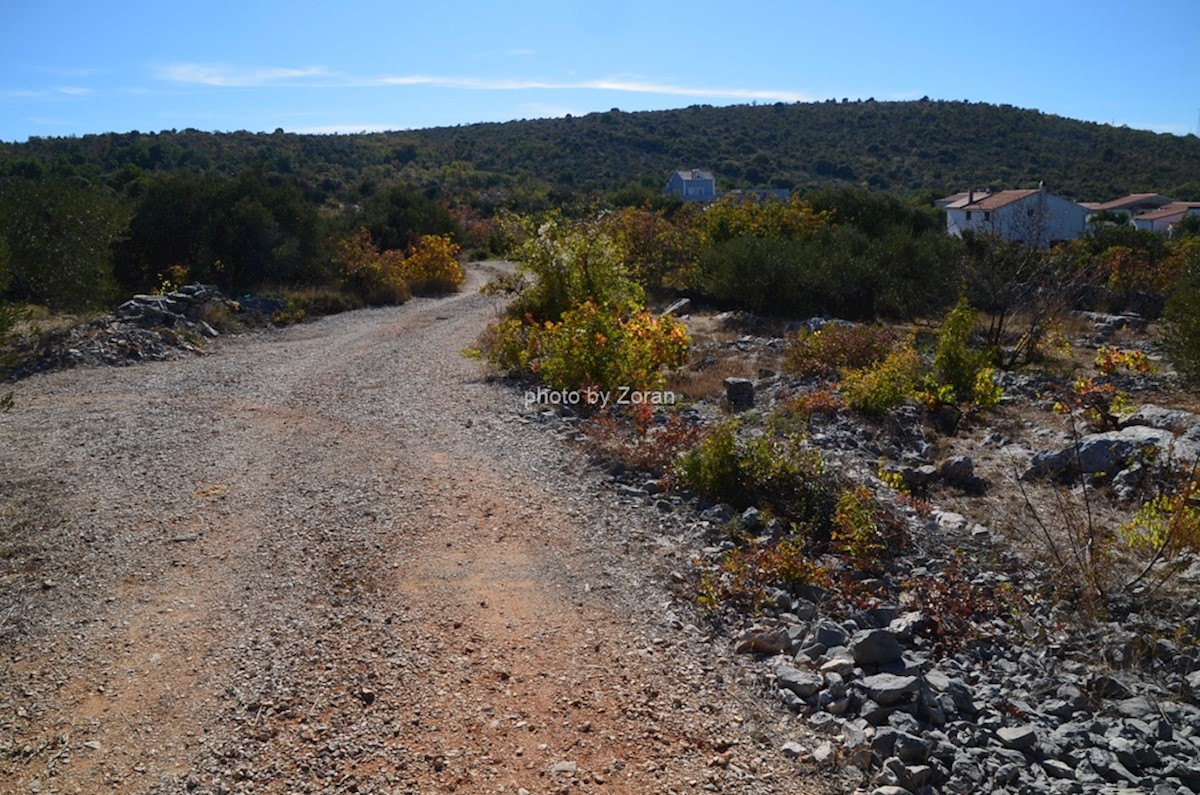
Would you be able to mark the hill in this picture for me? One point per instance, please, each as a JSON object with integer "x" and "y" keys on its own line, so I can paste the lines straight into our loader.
{"x": 918, "y": 147}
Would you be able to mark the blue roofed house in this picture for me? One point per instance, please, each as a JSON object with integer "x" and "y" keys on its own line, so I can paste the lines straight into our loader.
{"x": 693, "y": 185}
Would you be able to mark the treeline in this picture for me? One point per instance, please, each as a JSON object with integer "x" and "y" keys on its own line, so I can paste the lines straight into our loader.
{"x": 73, "y": 244}
{"x": 923, "y": 148}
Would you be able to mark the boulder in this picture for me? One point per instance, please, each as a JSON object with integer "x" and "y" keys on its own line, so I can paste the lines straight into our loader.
{"x": 1108, "y": 453}
{"x": 887, "y": 689}
{"x": 740, "y": 393}
{"x": 875, "y": 647}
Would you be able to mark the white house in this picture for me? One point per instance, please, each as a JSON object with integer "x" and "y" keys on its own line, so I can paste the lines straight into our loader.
{"x": 1130, "y": 205}
{"x": 1036, "y": 217}
{"x": 1163, "y": 218}
{"x": 693, "y": 185}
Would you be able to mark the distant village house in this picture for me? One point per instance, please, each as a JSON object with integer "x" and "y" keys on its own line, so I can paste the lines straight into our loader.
{"x": 1036, "y": 217}
{"x": 693, "y": 185}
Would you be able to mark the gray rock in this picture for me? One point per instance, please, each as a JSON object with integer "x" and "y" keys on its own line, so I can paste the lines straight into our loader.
{"x": 792, "y": 749}
{"x": 740, "y": 393}
{"x": 1173, "y": 420}
{"x": 911, "y": 749}
{"x": 1018, "y": 738}
{"x": 802, "y": 683}
{"x": 1108, "y": 452}
{"x": 875, "y": 647}
{"x": 563, "y": 768}
{"x": 830, "y": 634}
{"x": 959, "y": 469}
{"x": 1137, "y": 707}
{"x": 1056, "y": 769}
{"x": 918, "y": 478}
{"x": 886, "y": 689}
{"x": 1193, "y": 681}
{"x": 1104, "y": 686}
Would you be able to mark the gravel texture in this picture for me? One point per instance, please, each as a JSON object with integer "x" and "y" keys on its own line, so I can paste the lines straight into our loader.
{"x": 336, "y": 558}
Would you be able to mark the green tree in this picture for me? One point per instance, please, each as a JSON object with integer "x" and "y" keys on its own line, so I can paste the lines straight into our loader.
{"x": 60, "y": 236}
{"x": 169, "y": 227}
{"x": 399, "y": 217}
{"x": 1182, "y": 316}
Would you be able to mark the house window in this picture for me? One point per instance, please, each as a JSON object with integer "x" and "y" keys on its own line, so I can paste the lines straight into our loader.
{"x": 968, "y": 215}
{"x": 987, "y": 216}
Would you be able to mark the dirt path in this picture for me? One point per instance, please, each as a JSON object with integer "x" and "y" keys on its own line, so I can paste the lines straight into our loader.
{"x": 334, "y": 558}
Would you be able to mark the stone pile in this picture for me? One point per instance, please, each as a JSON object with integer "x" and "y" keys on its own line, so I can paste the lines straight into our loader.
{"x": 144, "y": 328}
{"x": 1005, "y": 717}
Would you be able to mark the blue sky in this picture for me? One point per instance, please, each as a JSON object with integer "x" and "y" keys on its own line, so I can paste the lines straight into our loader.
{"x": 73, "y": 68}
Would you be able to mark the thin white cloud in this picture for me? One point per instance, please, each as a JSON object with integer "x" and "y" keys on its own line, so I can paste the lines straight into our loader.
{"x": 224, "y": 75}
{"x": 619, "y": 84}
{"x": 19, "y": 93}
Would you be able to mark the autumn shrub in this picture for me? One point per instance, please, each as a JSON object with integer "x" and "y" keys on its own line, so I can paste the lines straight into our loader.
{"x": 1111, "y": 360}
{"x": 1165, "y": 529}
{"x": 592, "y": 347}
{"x": 957, "y": 608}
{"x": 377, "y": 277}
{"x": 513, "y": 345}
{"x": 569, "y": 263}
{"x": 1096, "y": 400}
{"x": 836, "y": 346}
{"x": 816, "y": 403}
{"x": 643, "y": 440}
{"x": 431, "y": 266}
{"x": 319, "y": 301}
{"x": 743, "y": 576}
{"x": 857, "y": 528}
{"x": 606, "y": 347}
{"x": 776, "y": 473}
{"x": 882, "y": 386}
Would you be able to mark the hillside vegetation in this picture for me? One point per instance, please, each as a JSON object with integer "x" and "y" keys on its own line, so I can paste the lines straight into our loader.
{"x": 909, "y": 147}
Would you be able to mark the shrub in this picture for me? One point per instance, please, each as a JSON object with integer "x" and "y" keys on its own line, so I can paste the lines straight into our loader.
{"x": 1182, "y": 317}
{"x": 775, "y": 473}
{"x": 513, "y": 346}
{"x": 884, "y": 385}
{"x": 837, "y": 346}
{"x": 431, "y": 266}
{"x": 375, "y": 276}
{"x": 638, "y": 442}
{"x": 856, "y": 531}
{"x": 765, "y": 275}
{"x": 1110, "y": 360}
{"x": 743, "y": 575}
{"x": 603, "y": 347}
{"x": 571, "y": 263}
{"x": 1165, "y": 528}
{"x": 954, "y": 363}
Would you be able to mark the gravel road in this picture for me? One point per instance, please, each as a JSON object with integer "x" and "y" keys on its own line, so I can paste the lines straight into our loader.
{"x": 336, "y": 558}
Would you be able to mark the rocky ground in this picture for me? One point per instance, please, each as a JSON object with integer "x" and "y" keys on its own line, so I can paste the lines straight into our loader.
{"x": 308, "y": 561}
{"x": 967, "y": 666}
